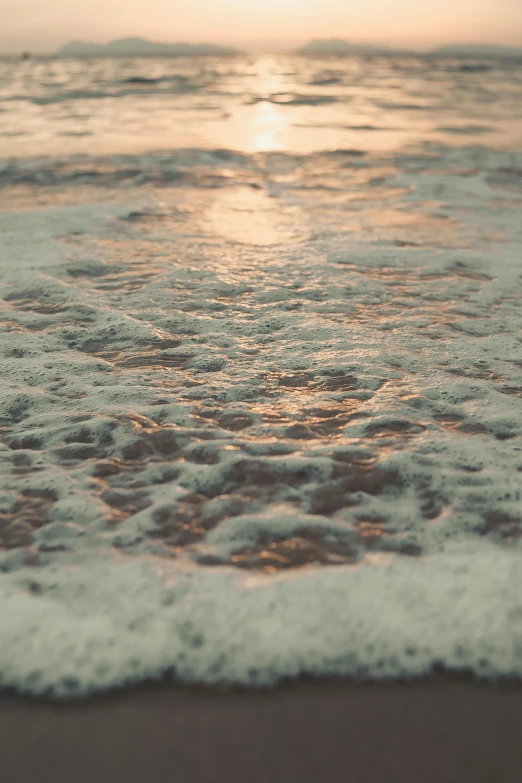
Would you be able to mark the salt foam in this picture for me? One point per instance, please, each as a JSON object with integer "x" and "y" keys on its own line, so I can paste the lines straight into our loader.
{"x": 234, "y": 457}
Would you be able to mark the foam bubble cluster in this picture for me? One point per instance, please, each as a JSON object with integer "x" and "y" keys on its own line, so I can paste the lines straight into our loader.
{"x": 265, "y": 427}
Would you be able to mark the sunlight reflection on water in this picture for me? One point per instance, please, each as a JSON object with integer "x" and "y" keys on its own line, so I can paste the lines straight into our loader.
{"x": 52, "y": 107}
{"x": 251, "y": 217}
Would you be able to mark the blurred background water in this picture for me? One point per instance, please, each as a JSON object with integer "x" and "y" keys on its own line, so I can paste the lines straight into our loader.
{"x": 52, "y": 106}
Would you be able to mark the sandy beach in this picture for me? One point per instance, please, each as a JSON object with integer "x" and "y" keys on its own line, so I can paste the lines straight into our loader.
{"x": 439, "y": 729}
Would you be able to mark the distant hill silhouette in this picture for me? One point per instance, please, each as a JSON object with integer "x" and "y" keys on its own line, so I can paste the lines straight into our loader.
{"x": 139, "y": 47}
{"x": 477, "y": 50}
{"x": 341, "y": 46}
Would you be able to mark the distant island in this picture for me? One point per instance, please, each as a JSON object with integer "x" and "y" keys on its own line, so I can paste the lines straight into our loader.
{"x": 340, "y": 46}
{"x": 477, "y": 50}
{"x": 140, "y": 47}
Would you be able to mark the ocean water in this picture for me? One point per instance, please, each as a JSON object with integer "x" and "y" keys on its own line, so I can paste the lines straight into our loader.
{"x": 260, "y": 396}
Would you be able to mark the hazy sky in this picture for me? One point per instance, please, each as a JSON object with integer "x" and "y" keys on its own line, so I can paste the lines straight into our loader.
{"x": 45, "y": 24}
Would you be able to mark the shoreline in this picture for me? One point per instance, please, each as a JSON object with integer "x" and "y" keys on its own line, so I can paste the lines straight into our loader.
{"x": 439, "y": 728}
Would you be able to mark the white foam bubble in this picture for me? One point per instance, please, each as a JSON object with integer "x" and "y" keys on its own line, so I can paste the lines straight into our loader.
{"x": 96, "y": 623}
{"x": 174, "y": 400}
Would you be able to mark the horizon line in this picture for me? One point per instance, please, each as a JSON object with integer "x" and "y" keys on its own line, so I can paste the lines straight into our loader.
{"x": 252, "y": 47}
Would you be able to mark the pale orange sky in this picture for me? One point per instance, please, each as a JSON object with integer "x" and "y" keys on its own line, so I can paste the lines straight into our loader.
{"x": 43, "y": 25}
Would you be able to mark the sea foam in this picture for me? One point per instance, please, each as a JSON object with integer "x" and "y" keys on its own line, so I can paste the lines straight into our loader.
{"x": 260, "y": 416}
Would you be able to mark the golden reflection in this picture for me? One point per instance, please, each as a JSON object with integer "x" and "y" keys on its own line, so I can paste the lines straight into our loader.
{"x": 260, "y": 125}
{"x": 268, "y": 127}
{"x": 269, "y": 76}
{"x": 251, "y": 217}
{"x": 251, "y": 104}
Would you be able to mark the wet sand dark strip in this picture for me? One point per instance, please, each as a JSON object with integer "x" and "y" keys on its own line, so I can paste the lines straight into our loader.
{"x": 438, "y": 730}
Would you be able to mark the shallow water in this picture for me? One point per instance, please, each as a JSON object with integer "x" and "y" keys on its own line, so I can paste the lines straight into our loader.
{"x": 252, "y": 104}
{"x": 262, "y": 373}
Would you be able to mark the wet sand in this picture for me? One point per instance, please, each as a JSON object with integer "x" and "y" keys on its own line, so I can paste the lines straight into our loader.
{"x": 438, "y": 730}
